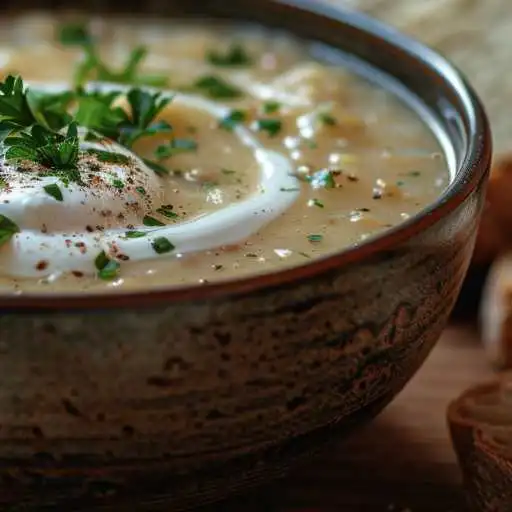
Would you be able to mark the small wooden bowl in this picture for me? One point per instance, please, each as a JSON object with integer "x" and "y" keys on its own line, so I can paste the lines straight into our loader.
{"x": 480, "y": 422}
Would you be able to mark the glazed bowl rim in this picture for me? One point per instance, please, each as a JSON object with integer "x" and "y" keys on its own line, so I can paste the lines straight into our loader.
{"x": 471, "y": 170}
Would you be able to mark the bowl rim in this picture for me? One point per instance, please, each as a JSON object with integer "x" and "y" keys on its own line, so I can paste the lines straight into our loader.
{"x": 472, "y": 169}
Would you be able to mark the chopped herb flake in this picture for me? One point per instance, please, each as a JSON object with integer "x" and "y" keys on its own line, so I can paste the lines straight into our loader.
{"x": 271, "y": 107}
{"x": 73, "y": 34}
{"x": 271, "y": 126}
{"x": 167, "y": 211}
{"x": 135, "y": 234}
{"x": 327, "y": 119}
{"x": 162, "y": 245}
{"x": 151, "y": 221}
{"x": 315, "y": 238}
{"x": 315, "y": 202}
{"x": 227, "y": 171}
{"x": 110, "y": 270}
{"x": 175, "y": 147}
{"x": 235, "y": 55}
{"x": 293, "y": 189}
{"x": 234, "y": 118}
{"x": 217, "y": 88}
{"x": 323, "y": 179}
{"x": 107, "y": 156}
{"x": 54, "y": 191}
{"x": 8, "y": 229}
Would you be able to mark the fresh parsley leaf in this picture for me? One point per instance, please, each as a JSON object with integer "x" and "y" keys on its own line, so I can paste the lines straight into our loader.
{"x": 8, "y": 229}
{"x": 50, "y": 110}
{"x": 14, "y": 108}
{"x": 271, "y": 126}
{"x": 323, "y": 179}
{"x": 93, "y": 67}
{"x": 50, "y": 149}
{"x": 107, "y": 268}
{"x": 162, "y": 245}
{"x": 216, "y": 88}
{"x": 234, "y": 118}
{"x": 175, "y": 147}
{"x": 327, "y": 119}
{"x": 73, "y": 34}
{"x": 159, "y": 169}
{"x": 54, "y": 191}
{"x": 96, "y": 113}
{"x": 235, "y": 55}
{"x": 151, "y": 221}
{"x": 167, "y": 211}
{"x": 316, "y": 202}
{"x": 145, "y": 107}
{"x": 271, "y": 107}
{"x": 107, "y": 156}
{"x": 315, "y": 238}
{"x": 135, "y": 234}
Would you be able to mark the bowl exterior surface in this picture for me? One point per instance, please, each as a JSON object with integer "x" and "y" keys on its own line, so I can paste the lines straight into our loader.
{"x": 192, "y": 400}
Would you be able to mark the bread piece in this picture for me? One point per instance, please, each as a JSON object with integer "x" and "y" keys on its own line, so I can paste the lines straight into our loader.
{"x": 495, "y": 232}
{"x": 480, "y": 423}
{"x": 496, "y": 312}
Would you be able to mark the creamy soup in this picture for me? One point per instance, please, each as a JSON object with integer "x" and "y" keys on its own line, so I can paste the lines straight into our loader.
{"x": 137, "y": 155}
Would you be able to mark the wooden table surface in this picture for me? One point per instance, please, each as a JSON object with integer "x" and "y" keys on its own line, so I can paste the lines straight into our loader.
{"x": 401, "y": 462}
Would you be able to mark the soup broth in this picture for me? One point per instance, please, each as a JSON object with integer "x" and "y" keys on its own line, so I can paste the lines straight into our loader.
{"x": 147, "y": 154}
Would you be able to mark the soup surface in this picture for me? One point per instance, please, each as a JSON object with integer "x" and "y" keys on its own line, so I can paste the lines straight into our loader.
{"x": 145, "y": 154}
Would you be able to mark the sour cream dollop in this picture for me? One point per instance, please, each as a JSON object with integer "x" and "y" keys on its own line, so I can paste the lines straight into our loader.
{"x": 65, "y": 234}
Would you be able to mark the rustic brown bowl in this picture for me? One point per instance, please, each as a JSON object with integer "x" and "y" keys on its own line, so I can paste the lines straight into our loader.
{"x": 177, "y": 397}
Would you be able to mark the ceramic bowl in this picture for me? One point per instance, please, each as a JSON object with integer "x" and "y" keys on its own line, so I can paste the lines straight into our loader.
{"x": 178, "y": 397}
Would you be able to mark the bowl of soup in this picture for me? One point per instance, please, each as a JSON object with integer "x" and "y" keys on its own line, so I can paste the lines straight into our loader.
{"x": 229, "y": 234}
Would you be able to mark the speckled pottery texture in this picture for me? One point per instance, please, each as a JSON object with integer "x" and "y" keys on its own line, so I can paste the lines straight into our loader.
{"x": 172, "y": 399}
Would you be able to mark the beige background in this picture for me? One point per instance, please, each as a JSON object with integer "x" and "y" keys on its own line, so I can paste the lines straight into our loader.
{"x": 475, "y": 34}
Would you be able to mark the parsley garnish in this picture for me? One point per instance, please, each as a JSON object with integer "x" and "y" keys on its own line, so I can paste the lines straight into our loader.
{"x": 14, "y": 109}
{"x": 167, "y": 211}
{"x": 54, "y": 191}
{"x": 151, "y": 221}
{"x": 234, "y": 56}
{"x": 52, "y": 150}
{"x": 156, "y": 167}
{"x": 107, "y": 156}
{"x": 135, "y": 234}
{"x": 271, "y": 107}
{"x": 8, "y": 229}
{"x": 216, "y": 88}
{"x": 271, "y": 126}
{"x": 315, "y": 202}
{"x": 73, "y": 34}
{"x": 174, "y": 147}
{"x": 323, "y": 179}
{"x": 234, "y": 118}
{"x": 107, "y": 268}
{"x": 327, "y": 119}
{"x": 93, "y": 67}
{"x": 227, "y": 171}
{"x": 315, "y": 238}
{"x": 162, "y": 245}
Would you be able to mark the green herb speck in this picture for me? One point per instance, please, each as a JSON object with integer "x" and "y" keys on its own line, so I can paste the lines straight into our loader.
{"x": 54, "y": 191}
{"x": 162, "y": 245}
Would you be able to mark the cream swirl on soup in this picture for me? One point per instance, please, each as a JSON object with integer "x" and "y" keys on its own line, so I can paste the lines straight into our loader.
{"x": 193, "y": 154}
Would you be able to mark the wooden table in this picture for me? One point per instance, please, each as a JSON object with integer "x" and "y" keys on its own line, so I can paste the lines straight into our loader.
{"x": 401, "y": 462}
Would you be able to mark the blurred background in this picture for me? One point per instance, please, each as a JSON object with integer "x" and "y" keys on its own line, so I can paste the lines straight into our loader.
{"x": 475, "y": 34}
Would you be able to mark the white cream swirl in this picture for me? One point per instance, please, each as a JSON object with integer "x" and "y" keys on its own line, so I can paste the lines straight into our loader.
{"x": 62, "y": 236}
